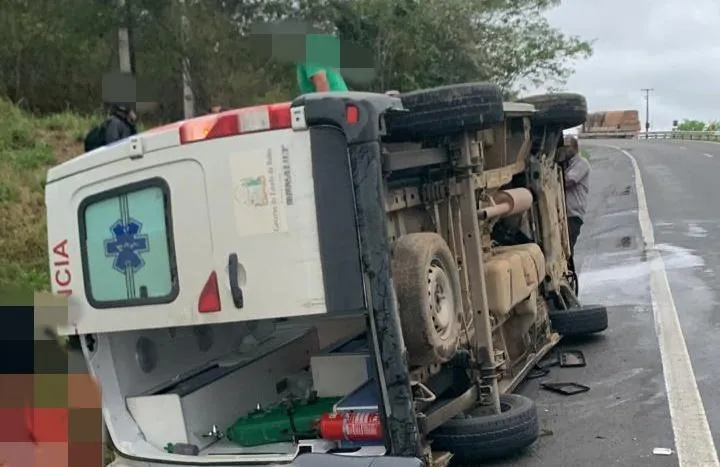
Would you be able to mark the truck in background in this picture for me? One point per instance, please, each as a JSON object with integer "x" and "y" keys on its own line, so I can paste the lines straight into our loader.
{"x": 611, "y": 124}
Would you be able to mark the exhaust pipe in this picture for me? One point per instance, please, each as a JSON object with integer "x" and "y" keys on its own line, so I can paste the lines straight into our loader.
{"x": 507, "y": 203}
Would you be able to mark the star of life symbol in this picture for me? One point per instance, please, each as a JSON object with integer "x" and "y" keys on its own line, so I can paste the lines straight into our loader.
{"x": 127, "y": 246}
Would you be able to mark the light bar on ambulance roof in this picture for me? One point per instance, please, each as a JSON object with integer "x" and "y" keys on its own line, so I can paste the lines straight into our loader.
{"x": 236, "y": 122}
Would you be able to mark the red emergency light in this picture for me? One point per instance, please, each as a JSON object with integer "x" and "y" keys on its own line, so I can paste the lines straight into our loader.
{"x": 236, "y": 122}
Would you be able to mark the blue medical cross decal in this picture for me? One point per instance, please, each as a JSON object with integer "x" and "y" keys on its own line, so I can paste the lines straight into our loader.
{"x": 127, "y": 246}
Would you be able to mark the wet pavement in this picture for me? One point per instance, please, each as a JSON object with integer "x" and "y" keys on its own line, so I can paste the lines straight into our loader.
{"x": 625, "y": 414}
{"x": 682, "y": 180}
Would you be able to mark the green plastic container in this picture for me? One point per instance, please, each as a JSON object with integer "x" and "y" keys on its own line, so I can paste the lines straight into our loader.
{"x": 279, "y": 423}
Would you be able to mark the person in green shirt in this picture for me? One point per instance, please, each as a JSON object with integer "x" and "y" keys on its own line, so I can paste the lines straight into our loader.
{"x": 320, "y": 70}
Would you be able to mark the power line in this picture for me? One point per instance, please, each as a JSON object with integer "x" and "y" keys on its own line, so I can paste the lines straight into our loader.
{"x": 647, "y": 92}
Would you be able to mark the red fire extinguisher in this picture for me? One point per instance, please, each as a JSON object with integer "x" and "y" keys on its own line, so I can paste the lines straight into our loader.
{"x": 351, "y": 426}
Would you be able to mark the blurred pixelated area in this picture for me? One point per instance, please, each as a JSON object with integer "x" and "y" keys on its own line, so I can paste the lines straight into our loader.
{"x": 49, "y": 406}
{"x": 128, "y": 90}
{"x": 300, "y": 42}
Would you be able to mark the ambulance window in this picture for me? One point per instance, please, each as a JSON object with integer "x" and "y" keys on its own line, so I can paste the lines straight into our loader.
{"x": 127, "y": 249}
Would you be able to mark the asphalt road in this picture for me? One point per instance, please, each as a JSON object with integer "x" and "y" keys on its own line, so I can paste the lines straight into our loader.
{"x": 681, "y": 180}
{"x": 626, "y": 413}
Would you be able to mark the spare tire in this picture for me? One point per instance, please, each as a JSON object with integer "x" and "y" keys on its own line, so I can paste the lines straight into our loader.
{"x": 429, "y": 295}
{"x": 474, "y": 437}
{"x": 446, "y": 111}
{"x": 566, "y": 110}
{"x": 589, "y": 319}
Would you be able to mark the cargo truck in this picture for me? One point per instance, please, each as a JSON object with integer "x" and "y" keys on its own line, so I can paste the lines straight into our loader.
{"x": 611, "y": 124}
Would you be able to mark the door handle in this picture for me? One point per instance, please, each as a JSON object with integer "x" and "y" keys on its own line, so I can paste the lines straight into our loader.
{"x": 235, "y": 290}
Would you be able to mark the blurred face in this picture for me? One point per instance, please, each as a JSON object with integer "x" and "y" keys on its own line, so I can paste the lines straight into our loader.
{"x": 132, "y": 115}
{"x": 571, "y": 148}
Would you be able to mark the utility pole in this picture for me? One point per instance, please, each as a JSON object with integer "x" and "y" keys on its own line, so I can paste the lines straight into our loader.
{"x": 129, "y": 24}
{"x": 124, "y": 42}
{"x": 647, "y": 92}
{"x": 188, "y": 95}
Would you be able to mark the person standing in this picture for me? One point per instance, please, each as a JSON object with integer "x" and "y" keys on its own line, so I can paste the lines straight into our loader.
{"x": 320, "y": 70}
{"x": 577, "y": 188}
{"x": 119, "y": 124}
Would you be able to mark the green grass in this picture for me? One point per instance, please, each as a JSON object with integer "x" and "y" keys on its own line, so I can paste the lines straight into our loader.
{"x": 29, "y": 145}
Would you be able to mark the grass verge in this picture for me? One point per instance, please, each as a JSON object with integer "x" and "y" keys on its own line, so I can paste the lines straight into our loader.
{"x": 29, "y": 145}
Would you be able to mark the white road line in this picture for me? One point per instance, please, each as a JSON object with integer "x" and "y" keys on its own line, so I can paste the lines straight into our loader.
{"x": 707, "y": 155}
{"x": 693, "y": 439}
{"x": 682, "y": 147}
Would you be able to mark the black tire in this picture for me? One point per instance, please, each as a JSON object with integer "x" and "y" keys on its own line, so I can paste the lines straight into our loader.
{"x": 566, "y": 110}
{"x": 422, "y": 264}
{"x": 478, "y": 438}
{"x": 446, "y": 111}
{"x": 580, "y": 321}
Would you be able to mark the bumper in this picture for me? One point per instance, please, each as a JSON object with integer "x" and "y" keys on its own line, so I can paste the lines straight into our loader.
{"x": 307, "y": 460}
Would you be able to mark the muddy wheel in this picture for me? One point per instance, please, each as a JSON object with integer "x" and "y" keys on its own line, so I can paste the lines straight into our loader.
{"x": 427, "y": 284}
{"x": 446, "y": 111}
{"x": 474, "y": 437}
{"x": 565, "y": 110}
{"x": 580, "y": 321}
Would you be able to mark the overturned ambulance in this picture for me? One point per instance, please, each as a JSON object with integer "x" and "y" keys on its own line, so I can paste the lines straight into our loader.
{"x": 348, "y": 278}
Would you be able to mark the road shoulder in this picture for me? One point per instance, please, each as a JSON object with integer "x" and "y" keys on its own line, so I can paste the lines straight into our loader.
{"x": 625, "y": 414}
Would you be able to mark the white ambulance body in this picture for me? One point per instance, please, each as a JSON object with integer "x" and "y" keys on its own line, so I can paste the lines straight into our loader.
{"x": 163, "y": 217}
{"x": 179, "y": 248}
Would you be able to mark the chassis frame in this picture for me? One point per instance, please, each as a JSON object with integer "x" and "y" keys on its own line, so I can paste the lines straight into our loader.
{"x": 390, "y": 195}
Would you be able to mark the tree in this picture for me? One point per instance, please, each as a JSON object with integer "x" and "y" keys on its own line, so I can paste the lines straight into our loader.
{"x": 55, "y": 51}
{"x": 691, "y": 125}
{"x": 58, "y": 50}
{"x": 432, "y": 42}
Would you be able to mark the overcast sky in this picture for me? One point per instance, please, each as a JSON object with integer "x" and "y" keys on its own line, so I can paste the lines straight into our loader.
{"x": 669, "y": 45}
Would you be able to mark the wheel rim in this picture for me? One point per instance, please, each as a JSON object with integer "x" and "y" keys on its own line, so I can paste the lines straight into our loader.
{"x": 441, "y": 298}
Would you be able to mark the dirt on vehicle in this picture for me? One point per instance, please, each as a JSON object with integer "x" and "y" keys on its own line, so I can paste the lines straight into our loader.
{"x": 369, "y": 276}
{"x": 494, "y": 205}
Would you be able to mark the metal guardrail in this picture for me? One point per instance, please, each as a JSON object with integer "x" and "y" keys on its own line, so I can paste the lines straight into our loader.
{"x": 682, "y": 135}
{"x": 686, "y": 135}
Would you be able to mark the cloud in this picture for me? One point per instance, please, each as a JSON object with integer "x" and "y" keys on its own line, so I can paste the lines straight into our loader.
{"x": 667, "y": 45}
